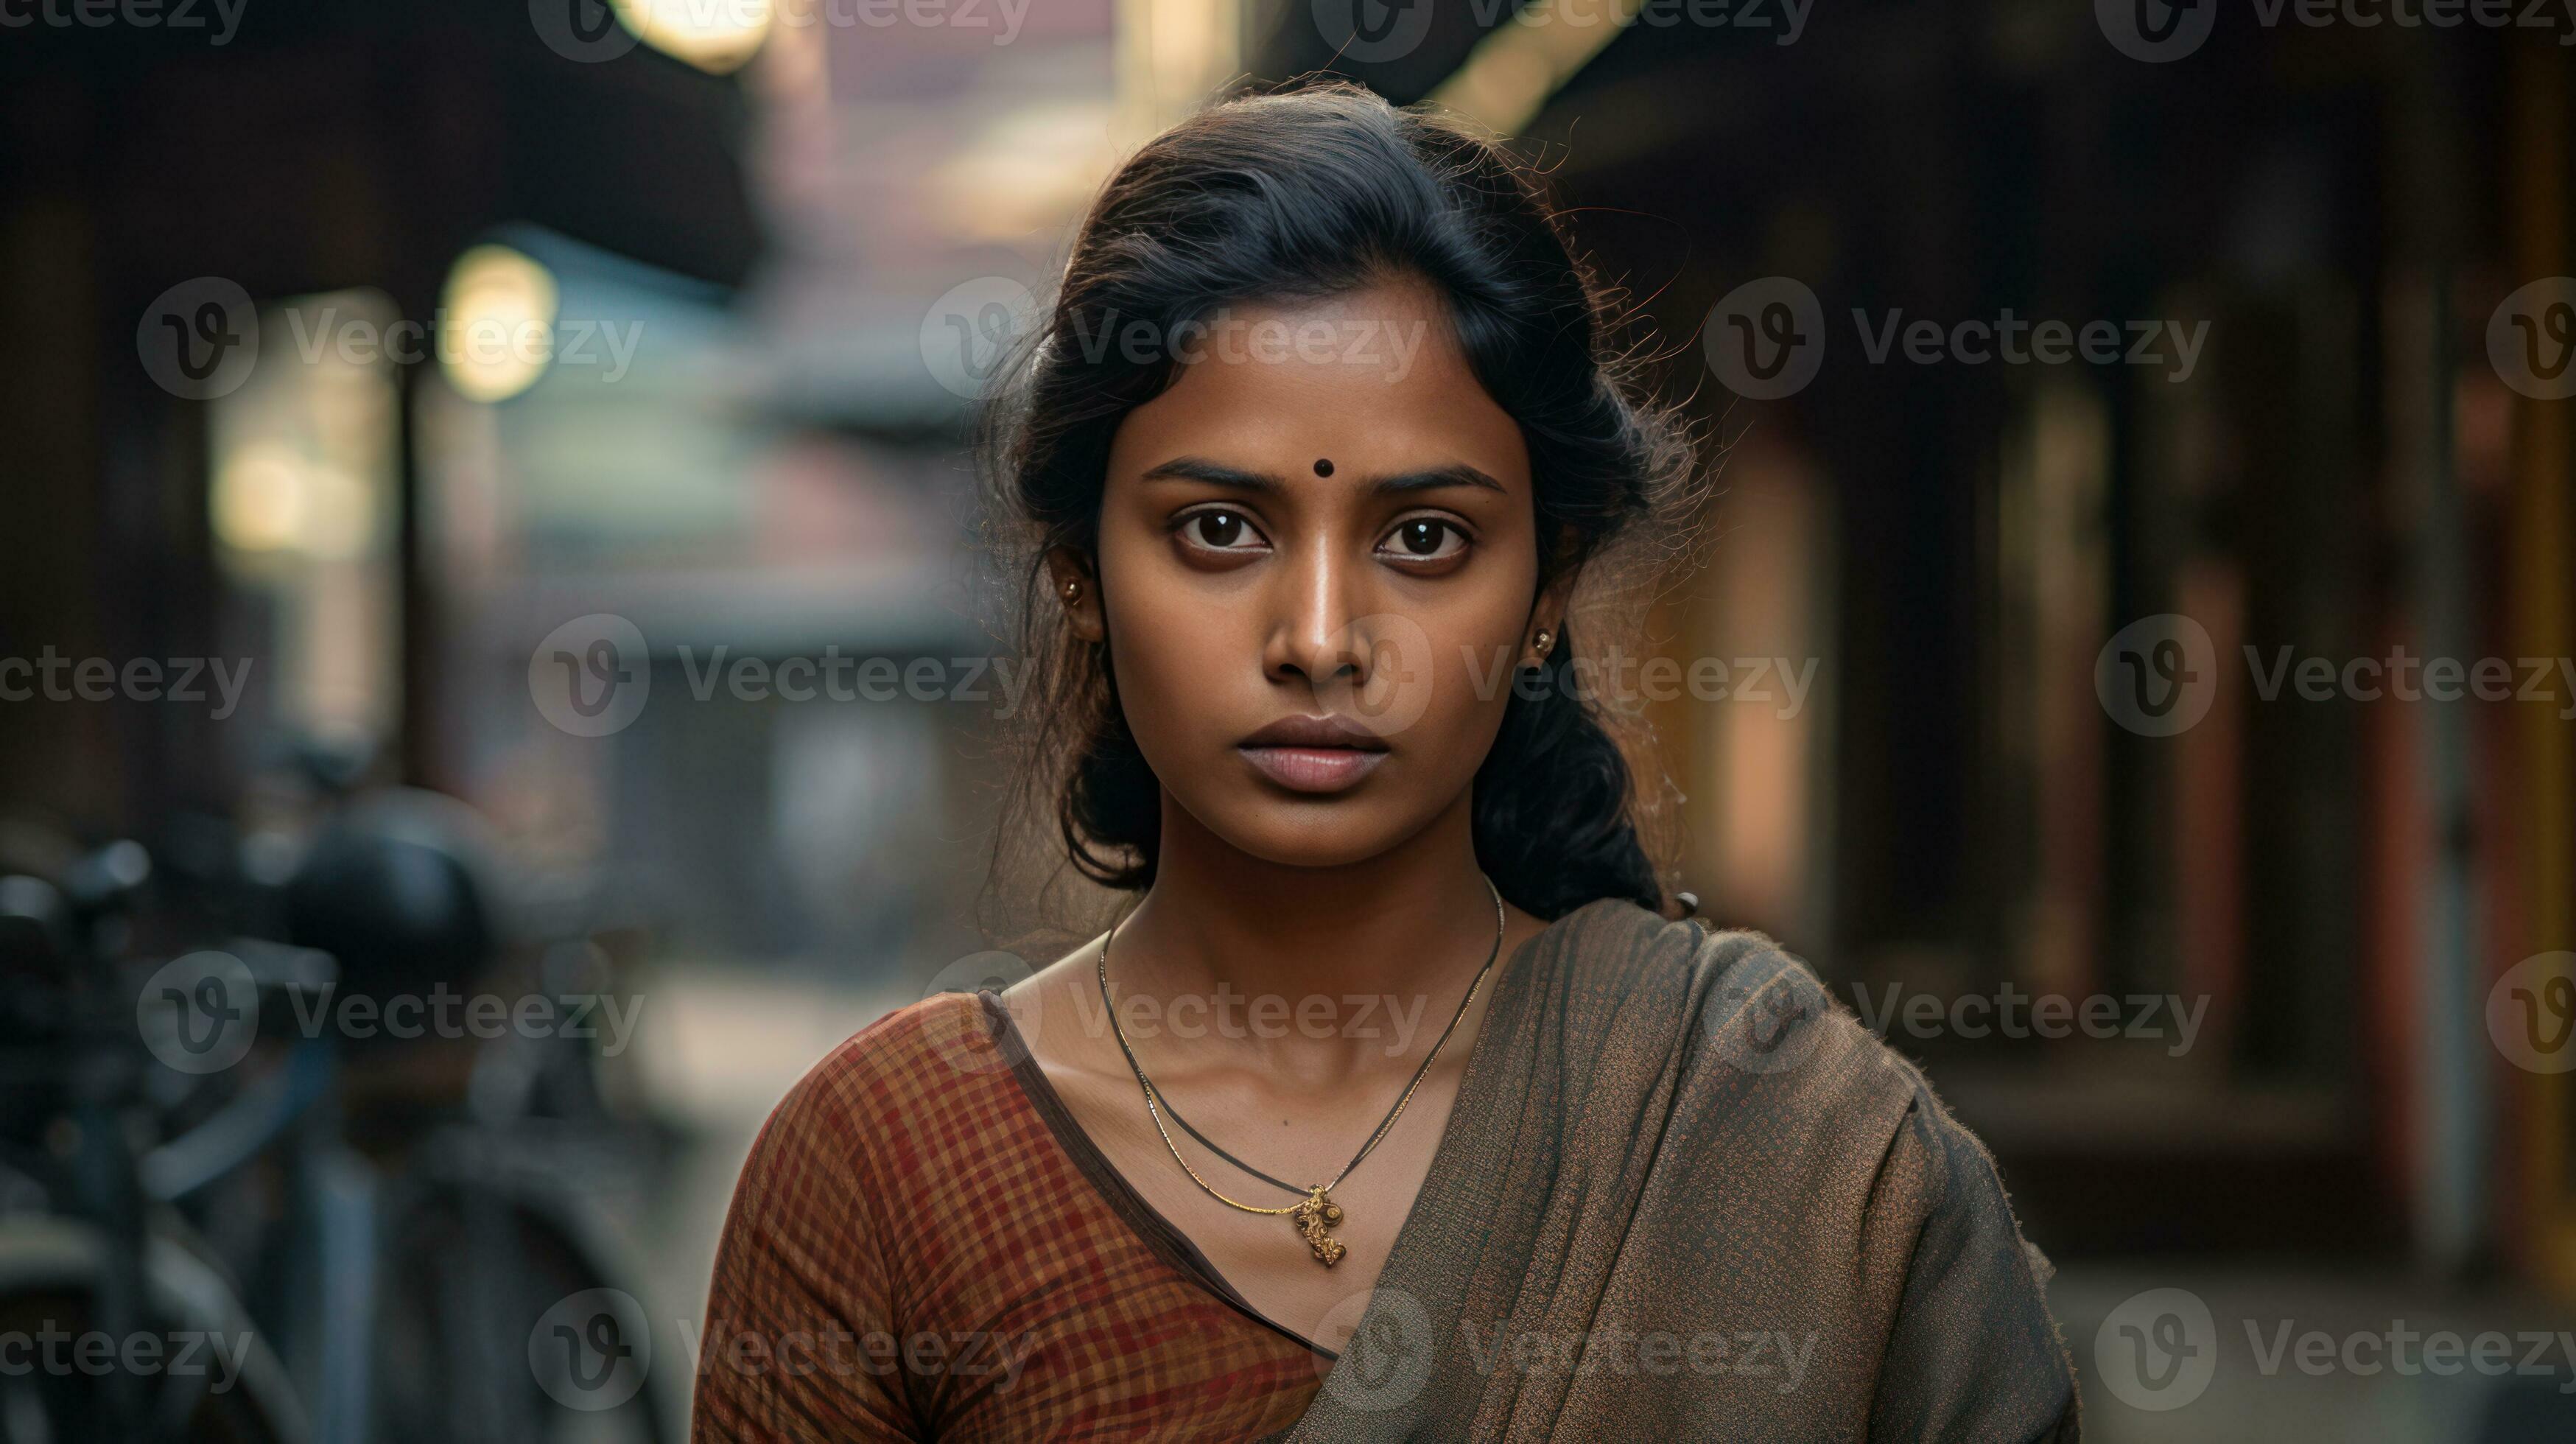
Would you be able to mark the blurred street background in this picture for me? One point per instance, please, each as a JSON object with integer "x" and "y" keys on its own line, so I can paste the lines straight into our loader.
{"x": 2161, "y": 724}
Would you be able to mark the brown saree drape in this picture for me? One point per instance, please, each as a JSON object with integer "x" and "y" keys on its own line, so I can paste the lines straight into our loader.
{"x": 1684, "y": 1195}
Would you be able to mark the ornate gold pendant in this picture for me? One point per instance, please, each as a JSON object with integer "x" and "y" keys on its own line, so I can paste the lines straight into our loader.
{"x": 1312, "y": 1218}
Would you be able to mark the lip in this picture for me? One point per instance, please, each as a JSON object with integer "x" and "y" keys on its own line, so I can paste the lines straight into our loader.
{"x": 1314, "y": 769}
{"x": 1314, "y": 754}
{"x": 1325, "y": 731}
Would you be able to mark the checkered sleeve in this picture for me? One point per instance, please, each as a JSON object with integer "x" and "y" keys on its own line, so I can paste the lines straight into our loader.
{"x": 802, "y": 1306}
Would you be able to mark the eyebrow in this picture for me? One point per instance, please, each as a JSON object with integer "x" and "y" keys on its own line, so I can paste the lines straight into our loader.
{"x": 1192, "y": 468}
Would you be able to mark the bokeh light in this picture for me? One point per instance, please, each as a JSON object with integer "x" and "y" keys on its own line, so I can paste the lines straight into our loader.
{"x": 496, "y": 331}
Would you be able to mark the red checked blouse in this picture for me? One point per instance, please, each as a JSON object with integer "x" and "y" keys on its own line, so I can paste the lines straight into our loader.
{"x": 856, "y": 1294}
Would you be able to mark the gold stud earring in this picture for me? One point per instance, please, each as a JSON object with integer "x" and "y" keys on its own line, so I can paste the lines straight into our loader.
{"x": 1072, "y": 589}
{"x": 1542, "y": 643}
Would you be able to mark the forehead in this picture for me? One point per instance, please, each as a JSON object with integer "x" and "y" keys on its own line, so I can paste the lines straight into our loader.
{"x": 1373, "y": 380}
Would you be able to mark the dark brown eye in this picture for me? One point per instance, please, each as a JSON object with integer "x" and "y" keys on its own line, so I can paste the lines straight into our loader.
{"x": 1427, "y": 539}
{"x": 1217, "y": 528}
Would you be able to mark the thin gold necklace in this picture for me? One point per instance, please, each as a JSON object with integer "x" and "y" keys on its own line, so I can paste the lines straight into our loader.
{"x": 1316, "y": 1213}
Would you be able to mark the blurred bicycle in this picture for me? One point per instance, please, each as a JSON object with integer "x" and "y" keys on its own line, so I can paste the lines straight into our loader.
{"x": 89, "y": 1249}
{"x": 396, "y": 1209}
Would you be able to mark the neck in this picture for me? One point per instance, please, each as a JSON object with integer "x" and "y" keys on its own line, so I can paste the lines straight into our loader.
{"x": 1318, "y": 970}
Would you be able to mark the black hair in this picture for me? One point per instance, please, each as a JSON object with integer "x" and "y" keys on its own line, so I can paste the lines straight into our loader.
{"x": 1304, "y": 194}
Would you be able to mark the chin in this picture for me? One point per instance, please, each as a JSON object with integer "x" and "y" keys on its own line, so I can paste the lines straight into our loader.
{"x": 1303, "y": 831}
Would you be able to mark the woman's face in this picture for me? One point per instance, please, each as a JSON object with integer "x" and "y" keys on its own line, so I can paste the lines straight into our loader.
{"x": 1325, "y": 517}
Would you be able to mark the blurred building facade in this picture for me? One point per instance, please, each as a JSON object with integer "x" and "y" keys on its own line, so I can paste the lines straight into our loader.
{"x": 2343, "y": 882}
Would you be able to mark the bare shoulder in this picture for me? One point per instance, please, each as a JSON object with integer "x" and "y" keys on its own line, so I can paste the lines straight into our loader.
{"x": 1060, "y": 980}
{"x": 1048, "y": 1007}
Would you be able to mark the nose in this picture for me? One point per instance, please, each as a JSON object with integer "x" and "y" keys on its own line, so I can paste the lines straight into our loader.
{"x": 1311, "y": 601}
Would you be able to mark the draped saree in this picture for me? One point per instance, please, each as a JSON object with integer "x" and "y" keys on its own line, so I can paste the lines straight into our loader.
{"x": 1682, "y": 1195}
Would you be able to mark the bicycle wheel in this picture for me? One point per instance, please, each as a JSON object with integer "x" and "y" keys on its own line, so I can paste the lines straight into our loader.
{"x": 499, "y": 1323}
{"x": 194, "y": 1371}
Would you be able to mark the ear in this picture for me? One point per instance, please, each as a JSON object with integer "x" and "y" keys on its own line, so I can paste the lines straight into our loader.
{"x": 1547, "y": 614}
{"x": 1077, "y": 590}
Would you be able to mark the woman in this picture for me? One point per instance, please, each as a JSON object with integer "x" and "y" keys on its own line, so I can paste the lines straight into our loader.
{"x": 1394, "y": 1105}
